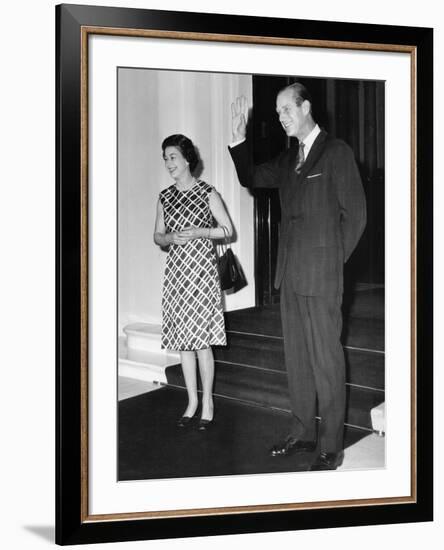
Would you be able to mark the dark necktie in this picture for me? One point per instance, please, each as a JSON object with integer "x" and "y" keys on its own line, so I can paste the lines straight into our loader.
{"x": 301, "y": 157}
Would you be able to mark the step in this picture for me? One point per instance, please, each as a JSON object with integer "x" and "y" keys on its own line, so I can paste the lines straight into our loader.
{"x": 249, "y": 349}
{"x": 268, "y": 388}
{"x": 252, "y": 385}
{"x": 364, "y": 333}
{"x": 363, "y": 367}
{"x": 359, "y": 405}
{"x": 365, "y": 303}
{"x": 143, "y": 336}
{"x": 146, "y": 365}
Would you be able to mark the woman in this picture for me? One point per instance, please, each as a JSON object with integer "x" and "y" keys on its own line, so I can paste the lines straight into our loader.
{"x": 192, "y": 314}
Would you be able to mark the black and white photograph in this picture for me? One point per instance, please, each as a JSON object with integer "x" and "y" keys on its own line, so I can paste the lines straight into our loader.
{"x": 251, "y": 274}
{"x": 243, "y": 286}
{"x": 221, "y": 284}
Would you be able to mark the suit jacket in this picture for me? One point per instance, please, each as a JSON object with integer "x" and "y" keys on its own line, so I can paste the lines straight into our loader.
{"x": 323, "y": 211}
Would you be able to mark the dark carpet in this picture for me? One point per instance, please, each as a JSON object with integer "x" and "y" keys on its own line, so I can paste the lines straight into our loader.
{"x": 152, "y": 447}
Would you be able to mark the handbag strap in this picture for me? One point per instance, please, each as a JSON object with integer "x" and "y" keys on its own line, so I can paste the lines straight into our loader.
{"x": 224, "y": 245}
{"x": 225, "y": 230}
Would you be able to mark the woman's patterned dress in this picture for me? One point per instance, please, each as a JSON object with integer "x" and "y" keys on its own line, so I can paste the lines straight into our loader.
{"x": 192, "y": 314}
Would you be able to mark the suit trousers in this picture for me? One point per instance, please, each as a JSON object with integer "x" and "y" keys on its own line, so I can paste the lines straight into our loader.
{"x": 314, "y": 360}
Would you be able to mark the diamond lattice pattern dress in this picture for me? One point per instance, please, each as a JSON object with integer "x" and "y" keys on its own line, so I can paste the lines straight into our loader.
{"x": 192, "y": 314}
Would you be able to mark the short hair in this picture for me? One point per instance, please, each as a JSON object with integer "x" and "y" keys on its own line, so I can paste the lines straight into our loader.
{"x": 186, "y": 147}
{"x": 300, "y": 93}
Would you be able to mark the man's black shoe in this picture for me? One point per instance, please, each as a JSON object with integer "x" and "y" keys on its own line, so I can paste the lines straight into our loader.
{"x": 327, "y": 461}
{"x": 292, "y": 445}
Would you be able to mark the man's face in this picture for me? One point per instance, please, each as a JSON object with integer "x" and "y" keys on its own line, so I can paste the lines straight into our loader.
{"x": 293, "y": 118}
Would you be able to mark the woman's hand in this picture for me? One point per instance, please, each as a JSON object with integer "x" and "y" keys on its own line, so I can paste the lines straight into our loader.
{"x": 191, "y": 233}
{"x": 176, "y": 237}
{"x": 182, "y": 237}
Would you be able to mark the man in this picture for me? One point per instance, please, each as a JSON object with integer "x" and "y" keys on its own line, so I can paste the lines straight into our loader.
{"x": 323, "y": 215}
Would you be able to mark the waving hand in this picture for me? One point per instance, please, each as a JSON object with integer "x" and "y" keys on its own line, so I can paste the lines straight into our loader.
{"x": 239, "y": 117}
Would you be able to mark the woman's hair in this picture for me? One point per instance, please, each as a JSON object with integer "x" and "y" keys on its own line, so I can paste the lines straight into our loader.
{"x": 186, "y": 147}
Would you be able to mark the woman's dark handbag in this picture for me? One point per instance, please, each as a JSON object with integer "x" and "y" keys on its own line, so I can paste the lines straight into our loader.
{"x": 230, "y": 271}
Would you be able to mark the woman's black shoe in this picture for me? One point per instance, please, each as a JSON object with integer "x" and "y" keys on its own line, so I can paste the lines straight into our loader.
{"x": 184, "y": 421}
{"x": 204, "y": 424}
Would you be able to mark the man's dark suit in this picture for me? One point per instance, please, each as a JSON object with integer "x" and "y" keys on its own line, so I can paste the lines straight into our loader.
{"x": 323, "y": 215}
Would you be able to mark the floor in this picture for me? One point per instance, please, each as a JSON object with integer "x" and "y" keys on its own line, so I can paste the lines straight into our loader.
{"x": 367, "y": 453}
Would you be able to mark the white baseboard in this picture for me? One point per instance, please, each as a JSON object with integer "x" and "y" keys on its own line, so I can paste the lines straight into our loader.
{"x": 378, "y": 419}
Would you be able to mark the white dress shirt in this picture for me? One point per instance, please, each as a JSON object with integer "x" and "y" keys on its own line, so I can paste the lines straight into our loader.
{"x": 309, "y": 140}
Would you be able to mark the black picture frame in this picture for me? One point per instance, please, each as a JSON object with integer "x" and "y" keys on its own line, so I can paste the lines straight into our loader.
{"x": 73, "y": 524}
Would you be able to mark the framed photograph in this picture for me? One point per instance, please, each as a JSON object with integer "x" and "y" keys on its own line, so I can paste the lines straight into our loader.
{"x": 294, "y": 392}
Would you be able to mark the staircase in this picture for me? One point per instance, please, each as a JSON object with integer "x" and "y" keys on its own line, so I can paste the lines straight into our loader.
{"x": 251, "y": 367}
{"x": 140, "y": 355}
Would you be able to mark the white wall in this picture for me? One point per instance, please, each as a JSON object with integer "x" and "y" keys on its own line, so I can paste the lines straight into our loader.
{"x": 152, "y": 105}
{"x": 27, "y": 276}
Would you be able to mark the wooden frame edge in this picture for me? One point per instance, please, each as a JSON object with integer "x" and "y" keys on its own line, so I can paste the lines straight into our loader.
{"x": 413, "y": 283}
{"x": 232, "y": 510}
{"x": 86, "y": 30}
{"x": 84, "y": 286}
{"x": 248, "y": 39}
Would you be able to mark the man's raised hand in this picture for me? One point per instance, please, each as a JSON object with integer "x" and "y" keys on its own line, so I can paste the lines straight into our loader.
{"x": 239, "y": 117}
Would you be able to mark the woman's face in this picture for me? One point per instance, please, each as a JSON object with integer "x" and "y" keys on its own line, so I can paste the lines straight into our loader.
{"x": 175, "y": 163}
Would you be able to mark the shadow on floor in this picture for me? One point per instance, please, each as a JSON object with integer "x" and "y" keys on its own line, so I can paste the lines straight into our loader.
{"x": 46, "y": 532}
